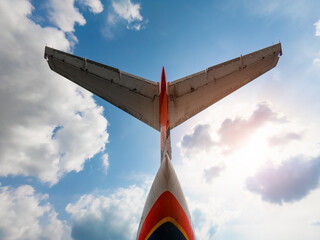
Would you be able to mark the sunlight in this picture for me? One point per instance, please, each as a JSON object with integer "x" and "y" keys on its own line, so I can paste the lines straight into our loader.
{"x": 251, "y": 156}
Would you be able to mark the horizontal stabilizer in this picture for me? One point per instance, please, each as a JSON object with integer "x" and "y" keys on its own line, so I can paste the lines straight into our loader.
{"x": 192, "y": 94}
{"x": 136, "y": 96}
{"x": 186, "y": 96}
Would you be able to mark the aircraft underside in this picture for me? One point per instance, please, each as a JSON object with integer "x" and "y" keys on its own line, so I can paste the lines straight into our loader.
{"x": 167, "y": 231}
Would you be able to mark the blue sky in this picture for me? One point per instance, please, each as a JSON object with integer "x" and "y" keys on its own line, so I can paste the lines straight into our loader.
{"x": 73, "y": 165}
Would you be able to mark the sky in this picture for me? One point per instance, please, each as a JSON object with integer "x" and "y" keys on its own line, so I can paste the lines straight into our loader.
{"x": 73, "y": 166}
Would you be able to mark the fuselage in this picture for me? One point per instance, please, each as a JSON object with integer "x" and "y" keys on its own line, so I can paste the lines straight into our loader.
{"x": 165, "y": 215}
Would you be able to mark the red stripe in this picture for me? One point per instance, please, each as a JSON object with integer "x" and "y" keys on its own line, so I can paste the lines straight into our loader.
{"x": 163, "y": 104}
{"x": 166, "y": 206}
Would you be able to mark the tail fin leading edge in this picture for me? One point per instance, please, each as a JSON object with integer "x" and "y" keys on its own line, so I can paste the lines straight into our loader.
{"x": 164, "y": 120}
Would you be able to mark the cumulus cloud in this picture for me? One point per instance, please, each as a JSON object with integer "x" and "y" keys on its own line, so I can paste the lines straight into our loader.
{"x": 123, "y": 11}
{"x": 232, "y": 133}
{"x": 48, "y": 125}
{"x": 317, "y": 25}
{"x": 107, "y": 217}
{"x": 284, "y": 139}
{"x": 94, "y": 6}
{"x": 226, "y": 201}
{"x": 199, "y": 139}
{"x": 316, "y": 61}
{"x": 128, "y": 11}
{"x": 212, "y": 173}
{"x": 64, "y": 14}
{"x": 290, "y": 182}
{"x": 105, "y": 162}
{"x": 27, "y": 215}
{"x": 204, "y": 228}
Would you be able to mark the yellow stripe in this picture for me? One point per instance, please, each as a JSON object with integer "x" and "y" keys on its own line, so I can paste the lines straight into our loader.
{"x": 164, "y": 220}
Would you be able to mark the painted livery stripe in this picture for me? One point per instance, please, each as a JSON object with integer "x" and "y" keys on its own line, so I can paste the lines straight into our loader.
{"x": 167, "y": 219}
{"x": 163, "y": 108}
{"x": 166, "y": 206}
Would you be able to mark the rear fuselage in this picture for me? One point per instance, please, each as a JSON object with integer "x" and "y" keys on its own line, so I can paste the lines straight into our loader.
{"x": 165, "y": 215}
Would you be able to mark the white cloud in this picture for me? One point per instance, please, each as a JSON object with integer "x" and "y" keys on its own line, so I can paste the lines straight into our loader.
{"x": 94, "y": 6}
{"x": 27, "y": 215}
{"x": 215, "y": 183}
{"x": 127, "y": 10}
{"x": 107, "y": 217}
{"x": 235, "y": 132}
{"x": 213, "y": 172}
{"x": 317, "y": 25}
{"x": 283, "y": 139}
{"x": 34, "y": 101}
{"x": 232, "y": 133}
{"x": 105, "y": 162}
{"x": 199, "y": 139}
{"x": 123, "y": 11}
{"x": 290, "y": 182}
{"x": 316, "y": 61}
{"x": 209, "y": 216}
{"x": 64, "y": 14}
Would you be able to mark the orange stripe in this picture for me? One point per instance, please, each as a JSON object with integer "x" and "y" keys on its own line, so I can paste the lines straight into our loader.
{"x": 166, "y": 206}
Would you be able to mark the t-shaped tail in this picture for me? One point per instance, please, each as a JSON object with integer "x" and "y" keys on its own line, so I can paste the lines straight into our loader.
{"x": 177, "y": 101}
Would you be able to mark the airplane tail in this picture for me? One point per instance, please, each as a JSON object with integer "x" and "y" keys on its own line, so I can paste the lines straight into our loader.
{"x": 165, "y": 214}
{"x": 177, "y": 101}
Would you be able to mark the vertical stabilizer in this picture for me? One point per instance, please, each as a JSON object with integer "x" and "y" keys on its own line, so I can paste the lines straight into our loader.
{"x": 164, "y": 120}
